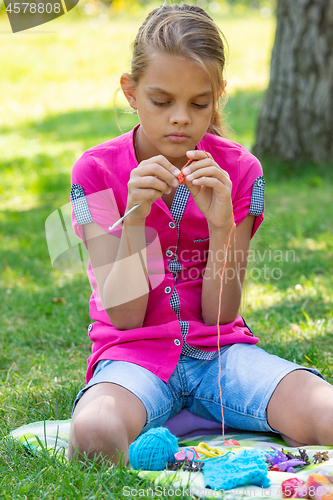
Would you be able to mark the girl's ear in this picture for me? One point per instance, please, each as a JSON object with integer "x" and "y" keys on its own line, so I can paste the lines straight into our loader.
{"x": 128, "y": 87}
{"x": 222, "y": 89}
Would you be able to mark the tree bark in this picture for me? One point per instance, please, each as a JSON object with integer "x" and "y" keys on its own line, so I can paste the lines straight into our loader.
{"x": 296, "y": 119}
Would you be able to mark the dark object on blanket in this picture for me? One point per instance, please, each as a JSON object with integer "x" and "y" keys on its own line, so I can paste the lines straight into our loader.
{"x": 302, "y": 455}
{"x": 280, "y": 462}
{"x": 187, "y": 465}
{"x": 320, "y": 456}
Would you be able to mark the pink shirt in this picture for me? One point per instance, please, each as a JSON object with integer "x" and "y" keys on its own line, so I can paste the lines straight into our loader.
{"x": 177, "y": 244}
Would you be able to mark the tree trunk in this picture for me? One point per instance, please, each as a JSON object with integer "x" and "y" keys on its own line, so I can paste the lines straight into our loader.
{"x": 296, "y": 120}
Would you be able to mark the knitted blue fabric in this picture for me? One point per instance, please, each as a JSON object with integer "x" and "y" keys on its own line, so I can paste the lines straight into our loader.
{"x": 228, "y": 472}
{"x": 152, "y": 450}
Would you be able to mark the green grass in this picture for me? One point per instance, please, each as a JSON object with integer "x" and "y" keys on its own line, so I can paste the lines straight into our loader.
{"x": 293, "y": 313}
{"x": 46, "y": 477}
{"x": 57, "y": 101}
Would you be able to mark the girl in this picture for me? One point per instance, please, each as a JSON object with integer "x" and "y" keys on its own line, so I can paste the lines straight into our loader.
{"x": 156, "y": 284}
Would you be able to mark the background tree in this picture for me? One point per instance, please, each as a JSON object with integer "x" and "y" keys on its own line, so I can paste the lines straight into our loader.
{"x": 296, "y": 119}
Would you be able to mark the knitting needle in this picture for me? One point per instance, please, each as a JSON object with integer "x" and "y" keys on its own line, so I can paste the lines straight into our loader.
{"x": 124, "y": 216}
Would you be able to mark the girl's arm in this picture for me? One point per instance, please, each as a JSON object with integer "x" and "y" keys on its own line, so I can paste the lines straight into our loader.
{"x": 233, "y": 274}
{"x": 120, "y": 271}
{"x": 119, "y": 265}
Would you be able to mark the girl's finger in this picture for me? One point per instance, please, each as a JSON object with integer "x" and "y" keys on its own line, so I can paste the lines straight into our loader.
{"x": 209, "y": 171}
{"x": 212, "y": 182}
{"x": 196, "y": 164}
{"x": 150, "y": 182}
{"x": 163, "y": 162}
{"x": 159, "y": 171}
{"x": 198, "y": 154}
{"x": 192, "y": 154}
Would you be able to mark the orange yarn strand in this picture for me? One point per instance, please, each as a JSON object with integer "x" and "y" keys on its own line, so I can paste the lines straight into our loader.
{"x": 218, "y": 323}
{"x": 181, "y": 176}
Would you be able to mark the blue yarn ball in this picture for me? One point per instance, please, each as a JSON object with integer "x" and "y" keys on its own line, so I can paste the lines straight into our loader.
{"x": 152, "y": 450}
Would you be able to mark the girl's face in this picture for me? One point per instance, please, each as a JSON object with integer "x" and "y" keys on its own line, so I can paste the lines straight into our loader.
{"x": 174, "y": 99}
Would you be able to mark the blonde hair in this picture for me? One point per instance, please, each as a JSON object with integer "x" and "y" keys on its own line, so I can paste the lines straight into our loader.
{"x": 184, "y": 31}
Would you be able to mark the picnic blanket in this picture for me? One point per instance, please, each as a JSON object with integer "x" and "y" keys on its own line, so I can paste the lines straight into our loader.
{"x": 53, "y": 435}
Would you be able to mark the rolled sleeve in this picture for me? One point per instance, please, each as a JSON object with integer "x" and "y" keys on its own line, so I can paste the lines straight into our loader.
{"x": 249, "y": 198}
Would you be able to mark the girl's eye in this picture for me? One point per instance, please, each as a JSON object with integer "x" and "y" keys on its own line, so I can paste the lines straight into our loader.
{"x": 159, "y": 103}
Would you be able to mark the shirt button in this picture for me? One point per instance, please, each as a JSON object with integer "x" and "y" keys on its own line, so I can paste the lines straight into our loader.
{"x": 167, "y": 289}
{"x": 172, "y": 225}
{"x": 169, "y": 253}
{"x": 90, "y": 327}
{"x": 177, "y": 342}
{"x": 259, "y": 182}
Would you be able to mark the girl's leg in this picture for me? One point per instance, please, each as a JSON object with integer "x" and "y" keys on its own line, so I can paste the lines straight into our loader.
{"x": 121, "y": 401}
{"x": 106, "y": 420}
{"x": 301, "y": 409}
{"x": 262, "y": 392}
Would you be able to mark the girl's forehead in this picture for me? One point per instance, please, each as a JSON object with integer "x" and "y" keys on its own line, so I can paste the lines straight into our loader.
{"x": 169, "y": 62}
{"x": 169, "y": 72}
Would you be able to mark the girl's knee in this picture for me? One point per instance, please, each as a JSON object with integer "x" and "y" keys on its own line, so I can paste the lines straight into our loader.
{"x": 301, "y": 408}
{"x": 95, "y": 434}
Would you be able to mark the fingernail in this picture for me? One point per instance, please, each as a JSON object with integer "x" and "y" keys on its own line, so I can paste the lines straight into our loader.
{"x": 186, "y": 171}
{"x": 175, "y": 182}
{"x": 190, "y": 153}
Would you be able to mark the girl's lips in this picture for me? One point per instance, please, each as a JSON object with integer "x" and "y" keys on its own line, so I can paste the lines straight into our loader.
{"x": 177, "y": 138}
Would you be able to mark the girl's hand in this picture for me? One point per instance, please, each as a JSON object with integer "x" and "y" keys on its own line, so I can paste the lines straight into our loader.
{"x": 210, "y": 187}
{"x": 148, "y": 182}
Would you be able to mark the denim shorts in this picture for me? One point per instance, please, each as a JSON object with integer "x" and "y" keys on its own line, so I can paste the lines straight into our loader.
{"x": 249, "y": 376}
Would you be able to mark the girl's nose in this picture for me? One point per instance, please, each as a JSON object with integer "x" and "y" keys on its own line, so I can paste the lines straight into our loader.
{"x": 180, "y": 116}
